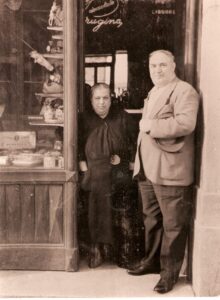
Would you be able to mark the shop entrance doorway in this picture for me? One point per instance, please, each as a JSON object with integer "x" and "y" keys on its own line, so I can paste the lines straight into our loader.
{"x": 117, "y": 38}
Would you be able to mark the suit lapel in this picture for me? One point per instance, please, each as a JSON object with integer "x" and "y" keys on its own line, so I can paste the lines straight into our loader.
{"x": 161, "y": 101}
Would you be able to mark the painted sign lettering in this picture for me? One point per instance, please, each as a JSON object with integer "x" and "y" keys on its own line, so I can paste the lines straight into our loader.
{"x": 100, "y": 9}
{"x": 101, "y": 13}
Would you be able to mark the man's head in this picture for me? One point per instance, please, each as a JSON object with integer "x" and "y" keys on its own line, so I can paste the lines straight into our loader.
{"x": 161, "y": 67}
{"x": 101, "y": 99}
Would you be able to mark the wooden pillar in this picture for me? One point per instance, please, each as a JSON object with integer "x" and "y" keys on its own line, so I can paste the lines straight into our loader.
{"x": 70, "y": 124}
{"x": 187, "y": 57}
{"x": 190, "y": 50}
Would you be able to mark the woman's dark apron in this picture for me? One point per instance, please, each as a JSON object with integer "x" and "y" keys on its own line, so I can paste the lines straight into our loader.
{"x": 110, "y": 210}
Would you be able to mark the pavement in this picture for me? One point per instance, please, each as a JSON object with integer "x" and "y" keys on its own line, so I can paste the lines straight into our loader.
{"x": 105, "y": 281}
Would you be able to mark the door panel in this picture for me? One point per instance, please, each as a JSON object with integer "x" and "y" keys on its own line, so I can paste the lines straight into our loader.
{"x": 27, "y": 213}
{"x": 31, "y": 214}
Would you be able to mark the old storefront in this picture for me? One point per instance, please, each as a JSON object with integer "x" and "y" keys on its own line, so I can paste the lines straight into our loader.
{"x": 45, "y": 66}
{"x": 38, "y": 137}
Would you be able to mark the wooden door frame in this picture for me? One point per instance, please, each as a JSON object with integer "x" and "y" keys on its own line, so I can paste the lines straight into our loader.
{"x": 190, "y": 74}
{"x": 71, "y": 84}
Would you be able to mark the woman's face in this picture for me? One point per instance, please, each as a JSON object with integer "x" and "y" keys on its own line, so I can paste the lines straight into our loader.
{"x": 101, "y": 101}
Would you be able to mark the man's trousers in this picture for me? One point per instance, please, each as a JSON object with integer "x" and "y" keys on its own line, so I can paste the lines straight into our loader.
{"x": 167, "y": 213}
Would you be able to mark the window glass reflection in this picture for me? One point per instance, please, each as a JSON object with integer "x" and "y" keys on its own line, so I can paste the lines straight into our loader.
{"x": 31, "y": 84}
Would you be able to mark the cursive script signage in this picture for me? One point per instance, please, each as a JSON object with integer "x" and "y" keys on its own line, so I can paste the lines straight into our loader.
{"x": 102, "y": 13}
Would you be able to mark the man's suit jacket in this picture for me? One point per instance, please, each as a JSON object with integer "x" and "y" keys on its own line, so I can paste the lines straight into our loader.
{"x": 167, "y": 151}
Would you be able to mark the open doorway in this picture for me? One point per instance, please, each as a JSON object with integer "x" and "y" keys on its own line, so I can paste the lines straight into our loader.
{"x": 117, "y": 37}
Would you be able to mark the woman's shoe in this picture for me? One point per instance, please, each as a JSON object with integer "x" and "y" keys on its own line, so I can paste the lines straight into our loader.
{"x": 96, "y": 258}
{"x": 107, "y": 252}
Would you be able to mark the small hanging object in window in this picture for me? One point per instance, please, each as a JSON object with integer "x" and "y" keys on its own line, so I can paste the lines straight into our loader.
{"x": 38, "y": 58}
{"x": 56, "y": 14}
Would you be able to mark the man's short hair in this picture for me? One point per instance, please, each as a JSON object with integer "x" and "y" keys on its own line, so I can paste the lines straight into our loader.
{"x": 166, "y": 52}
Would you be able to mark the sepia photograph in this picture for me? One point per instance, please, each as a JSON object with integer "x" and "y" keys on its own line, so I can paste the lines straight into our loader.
{"x": 109, "y": 148}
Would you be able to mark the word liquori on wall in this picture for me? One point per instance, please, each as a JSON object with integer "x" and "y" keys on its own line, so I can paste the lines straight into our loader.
{"x": 102, "y": 13}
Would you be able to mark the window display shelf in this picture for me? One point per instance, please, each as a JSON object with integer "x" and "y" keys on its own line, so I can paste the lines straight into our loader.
{"x": 45, "y": 95}
{"x": 55, "y": 28}
{"x": 27, "y": 166}
{"x": 52, "y": 122}
{"x": 53, "y": 55}
{"x": 57, "y": 37}
{"x": 38, "y": 120}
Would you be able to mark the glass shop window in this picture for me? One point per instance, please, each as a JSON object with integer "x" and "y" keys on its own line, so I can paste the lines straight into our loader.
{"x": 121, "y": 72}
{"x": 101, "y": 68}
{"x": 31, "y": 84}
{"x": 98, "y": 68}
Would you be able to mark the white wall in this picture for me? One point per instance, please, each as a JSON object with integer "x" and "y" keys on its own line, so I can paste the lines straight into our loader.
{"x": 206, "y": 254}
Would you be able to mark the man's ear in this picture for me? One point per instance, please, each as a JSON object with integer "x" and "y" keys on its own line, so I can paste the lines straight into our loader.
{"x": 174, "y": 66}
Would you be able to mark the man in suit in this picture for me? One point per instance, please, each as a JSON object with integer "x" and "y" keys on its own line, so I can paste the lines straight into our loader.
{"x": 164, "y": 165}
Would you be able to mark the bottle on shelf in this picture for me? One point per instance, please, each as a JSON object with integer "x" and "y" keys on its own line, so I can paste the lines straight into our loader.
{"x": 48, "y": 113}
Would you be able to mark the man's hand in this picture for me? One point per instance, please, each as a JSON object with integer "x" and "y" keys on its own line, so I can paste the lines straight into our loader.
{"x": 145, "y": 125}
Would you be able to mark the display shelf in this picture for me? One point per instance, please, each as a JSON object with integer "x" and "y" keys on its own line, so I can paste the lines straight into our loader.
{"x": 43, "y": 123}
{"x": 8, "y": 167}
{"x": 55, "y": 28}
{"x": 57, "y": 37}
{"x": 38, "y": 120}
{"x": 35, "y": 117}
{"x": 53, "y": 55}
{"x": 47, "y": 95}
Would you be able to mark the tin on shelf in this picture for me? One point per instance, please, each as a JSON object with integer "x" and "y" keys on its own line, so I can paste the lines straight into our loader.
{"x": 60, "y": 162}
{"x": 49, "y": 162}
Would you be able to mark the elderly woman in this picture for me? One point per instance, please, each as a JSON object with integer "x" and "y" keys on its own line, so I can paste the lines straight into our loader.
{"x": 107, "y": 147}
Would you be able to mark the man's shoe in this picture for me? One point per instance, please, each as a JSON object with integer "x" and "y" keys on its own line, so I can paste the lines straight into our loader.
{"x": 144, "y": 269}
{"x": 133, "y": 266}
{"x": 164, "y": 286}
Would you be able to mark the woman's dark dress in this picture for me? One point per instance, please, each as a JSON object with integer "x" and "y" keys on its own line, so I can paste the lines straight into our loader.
{"x": 109, "y": 185}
